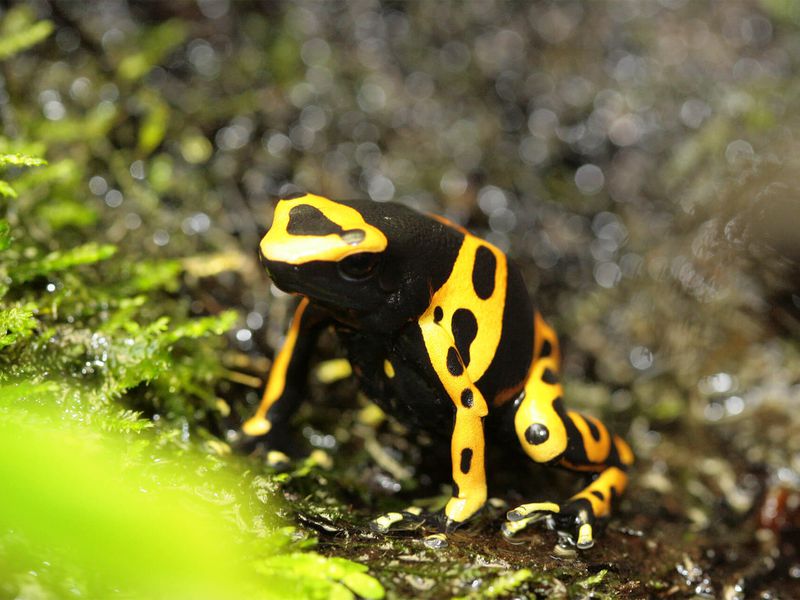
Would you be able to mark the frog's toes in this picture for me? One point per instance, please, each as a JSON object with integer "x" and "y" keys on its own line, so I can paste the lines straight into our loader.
{"x": 574, "y": 520}
{"x": 525, "y": 511}
{"x": 405, "y": 520}
{"x": 527, "y": 514}
{"x": 576, "y": 523}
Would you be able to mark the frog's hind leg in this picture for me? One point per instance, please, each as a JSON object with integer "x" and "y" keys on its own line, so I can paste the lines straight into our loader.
{"x": 552, "y": 435}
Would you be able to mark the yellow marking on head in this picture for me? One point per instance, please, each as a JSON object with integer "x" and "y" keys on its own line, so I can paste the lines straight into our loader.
{"x": 596, "y": 450}
{"x": 388, "y": 368}
{"x": 281, "y": 246}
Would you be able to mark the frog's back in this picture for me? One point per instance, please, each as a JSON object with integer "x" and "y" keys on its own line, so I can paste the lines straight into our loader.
{"x": 467, "y": 285}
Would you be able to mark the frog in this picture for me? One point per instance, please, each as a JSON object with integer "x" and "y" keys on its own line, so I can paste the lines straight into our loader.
{"x": 442, "y": 334}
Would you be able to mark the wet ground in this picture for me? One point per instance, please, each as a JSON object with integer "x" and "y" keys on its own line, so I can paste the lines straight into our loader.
{"x": 701, "y": 518}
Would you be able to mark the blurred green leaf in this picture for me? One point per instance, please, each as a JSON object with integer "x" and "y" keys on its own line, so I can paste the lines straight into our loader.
{"x": 154, "y": 46}
{"x": 12, "y": 42}
{"x": 785, "y": 10}
{"x": 197, "y": 328}
{"x": 161, "y": 173}
{"x": 322, "y": 577}
{"x": 20, "y": 160}
{"x": 6, "y": 190}
{"x": 95, "y": 125}
{"x": 5, "y": 235}
{"x": 64, "y": 213}
{"x": 154, "y": 124}
{"x": 60, "y": 261}
{"x": 152, "y": 275}
{"x": 112, "y": 524}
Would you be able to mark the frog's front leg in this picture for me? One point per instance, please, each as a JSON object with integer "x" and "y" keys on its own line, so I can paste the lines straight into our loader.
{"x": 287, "y": 378}
{"x": 467, "y": 444}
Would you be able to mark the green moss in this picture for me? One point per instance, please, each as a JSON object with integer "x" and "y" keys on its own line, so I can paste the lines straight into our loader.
{"x": 117, "y": 483}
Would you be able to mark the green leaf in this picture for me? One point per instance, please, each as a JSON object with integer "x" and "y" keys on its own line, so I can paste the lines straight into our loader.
{"x": 21, "y": 160}
{"x": 503, "y": 585}
{"x": 784, "y": 10}
{"x": 64, "y": 213}
{"x": 154, "y": 275}
{"x": 5, "y": 235}
{"x": 197, "y": 328}
{"x": 364, "y": 585}
{"x": 324, "y": 577}
{"x": 155, "y": 45}
{"x": 16, "y": 160}
{"x": 111, "y": 524}
{"x": 25, "y": 391}
{"x": 6, "y": 190}
{"x": 95, "y": 125}
{"x": 60, "y": 261}
{"x": 15, "y": 324}
{"x": 154, "y": 125}
{"x": 13, "y": 43}
{"x": 593, "y": 580}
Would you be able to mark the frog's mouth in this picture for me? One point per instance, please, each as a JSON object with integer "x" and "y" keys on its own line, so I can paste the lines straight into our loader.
{"x": 283, "y": 275}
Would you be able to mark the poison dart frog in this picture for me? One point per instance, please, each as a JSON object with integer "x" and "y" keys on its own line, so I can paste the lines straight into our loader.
{"x": 439, "y": 328}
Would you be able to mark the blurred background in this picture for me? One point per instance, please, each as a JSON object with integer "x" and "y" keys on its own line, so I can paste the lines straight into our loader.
{"x": 638, "y": 159}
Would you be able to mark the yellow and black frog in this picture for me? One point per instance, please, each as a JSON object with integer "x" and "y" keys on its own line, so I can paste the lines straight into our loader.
{"x": 439, "y": 327}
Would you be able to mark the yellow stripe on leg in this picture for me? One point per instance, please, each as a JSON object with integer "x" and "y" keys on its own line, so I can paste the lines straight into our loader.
{"x": 524, "y": 510}
{"x": 258, "y": 424}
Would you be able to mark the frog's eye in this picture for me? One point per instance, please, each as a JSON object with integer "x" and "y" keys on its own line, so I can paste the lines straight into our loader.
{"x": 358, "y": 267}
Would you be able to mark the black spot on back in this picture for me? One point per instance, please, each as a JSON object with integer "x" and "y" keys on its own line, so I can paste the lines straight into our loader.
{"x": 453, "y": 364}
{"x": 593, "y": 430}
{"x": 483, "y": 272}
{"x": 599, "y": 495}
{"x": 465, "y": 328}
{"x": 438, "y": 313}
{"x": 547, "y": 349}
{"x": 537, "y": 434}
{"x": 466, "y": 460}
{"x": 549, "y": 377}
{"x": 305, "y": 219}
{"x": 467, "y": 398}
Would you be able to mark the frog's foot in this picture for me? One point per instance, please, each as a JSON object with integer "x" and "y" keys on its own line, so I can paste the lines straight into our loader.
{"x": 528, "y": 514}
{"x": 574, "y": 520}
{"x": 409, "y": 519}
{"x": 459, "y": 510}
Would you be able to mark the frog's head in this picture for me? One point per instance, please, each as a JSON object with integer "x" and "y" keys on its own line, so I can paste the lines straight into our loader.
{"x": 324, "y": 250}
